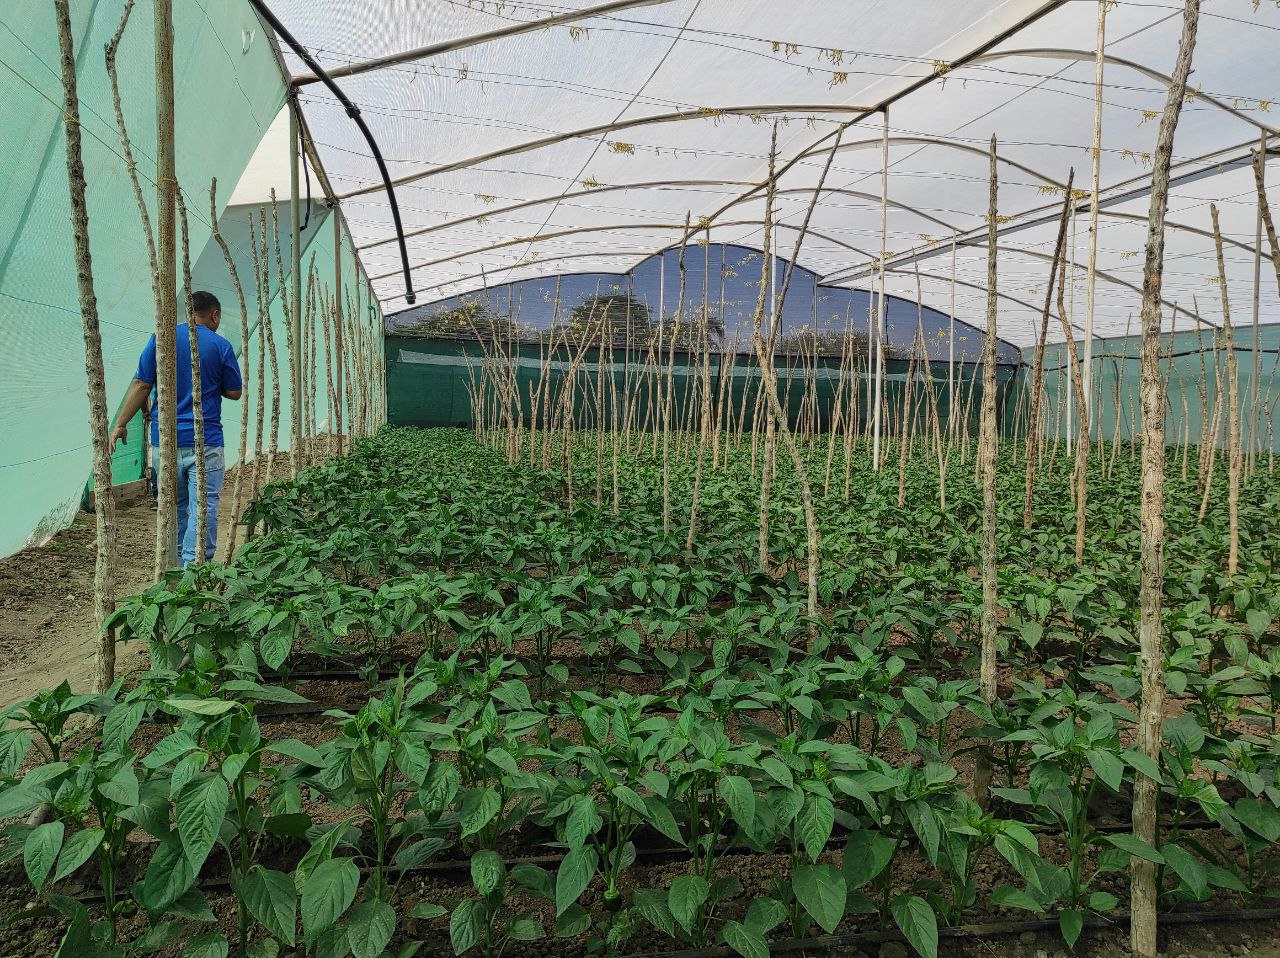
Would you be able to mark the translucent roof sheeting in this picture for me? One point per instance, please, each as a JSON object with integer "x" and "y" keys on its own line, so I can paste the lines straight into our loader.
{"x": 581, "y": 148}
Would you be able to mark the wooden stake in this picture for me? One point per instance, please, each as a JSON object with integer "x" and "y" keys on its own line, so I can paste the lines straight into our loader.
{"x": 167, "y": 294}
{"x": 198, "y": 509}
{"x": 104, "y": 585}
{"x": 987, "y": 455}
{"x": 1233, "y": 408}
{"x": 1145, "y": 892}
{"x": 1037, "y": 368}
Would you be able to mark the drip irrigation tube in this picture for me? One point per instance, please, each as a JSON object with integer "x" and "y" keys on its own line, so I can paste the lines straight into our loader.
{"x": 828, "y": 943}
{"x": 353, "y": 111}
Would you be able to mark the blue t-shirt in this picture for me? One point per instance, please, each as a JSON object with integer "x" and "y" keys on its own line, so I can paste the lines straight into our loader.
{"x": 219, "y": 372}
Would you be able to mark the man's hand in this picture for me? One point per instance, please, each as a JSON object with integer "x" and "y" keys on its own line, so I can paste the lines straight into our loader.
{"x": 118, "y": 435}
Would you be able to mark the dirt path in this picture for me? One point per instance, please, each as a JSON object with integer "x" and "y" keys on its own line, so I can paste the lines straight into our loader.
{"x": 47, "y": 630}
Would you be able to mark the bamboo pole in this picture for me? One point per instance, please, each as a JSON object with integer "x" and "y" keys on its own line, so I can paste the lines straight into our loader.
{"x": 1037, "y": 369}
{"x": 104, "y": 584}
{"x": 167, "y": 294}
{"x": 1144, "y": 888}
{"x": 987, "y": 455}
{"x": 1233, "y": 408}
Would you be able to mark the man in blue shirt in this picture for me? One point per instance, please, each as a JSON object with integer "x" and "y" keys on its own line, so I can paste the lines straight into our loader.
{"x": 219, "y": 379}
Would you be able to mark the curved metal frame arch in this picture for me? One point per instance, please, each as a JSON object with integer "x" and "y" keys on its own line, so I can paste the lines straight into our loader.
{"x": 1054, "y": 53}
{"x": 578, "y": 230}
{"x": 602, "y": 128}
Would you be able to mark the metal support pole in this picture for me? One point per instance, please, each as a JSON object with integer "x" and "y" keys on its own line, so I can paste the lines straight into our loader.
{"x": 295, "y": 296}
{"x": 335, "y": 414}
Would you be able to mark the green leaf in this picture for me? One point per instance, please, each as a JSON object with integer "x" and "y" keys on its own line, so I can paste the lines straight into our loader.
{"x": 1258, "y": 621}
{"x": 1107, "y": 767}
{"x": 486, "y": 870}
{"x": 744, "y": 941}
{"x": 816, "y": 820}
{"x": 211, "y": 944}
{"x": 298, "y": 751}
{"x": 918, "y": 923}
{"x": 1070, "y": 923}
{"x": 573, "y": 922}
{"x": 41, "y": 851}
{"x": 577, "y": 868}
{"x": 687, "y": 894}
{"x": 1135, "y": 846}
{"x": 1103, "y": 901}
{"x": 660, "y": 817}
{"x": 822, "y": 892}
{"x": 1143, "y": 763}
{"x": 328, "y": 892}
{"x": 272, "y": 899}
{"x": 77, "y": 850}
{"x": 777, "y": 771}
{"x": 1259, "y": 817}
{"x": 479, "y": 810}
{"x": 158, "y": 936}
{"x": 201, "y": 706}
{"x": 652, "y": 906}
{"x": 866, "y": 854}
{"x": 120, "y": 724}
{"x": 370, "y": 927}
{"x": 523, "y": 928}
{"x": 627, "y": 796}
{"x": 168, "y": 875}
{"x": 464, "y": 926}
{"x": 201, "y": 807}
{"x": 764, "y": 915}
{"x": 736, "y": 792}
{"x": 426, "y": 911}
{"x": 1188, "y": 868}
{"x": 1011, "y": 897}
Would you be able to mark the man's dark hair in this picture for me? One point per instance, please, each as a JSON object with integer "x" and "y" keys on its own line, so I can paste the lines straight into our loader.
{"x": 203, "y": 303}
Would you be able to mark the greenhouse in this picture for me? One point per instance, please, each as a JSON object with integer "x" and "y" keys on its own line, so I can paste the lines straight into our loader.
{"x": 644, "y": 478}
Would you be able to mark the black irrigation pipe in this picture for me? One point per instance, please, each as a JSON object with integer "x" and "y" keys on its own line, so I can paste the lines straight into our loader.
{"x": 649, "y": 854}
{"x": 353, "y": 111}
{"x": 1002, "y": 929}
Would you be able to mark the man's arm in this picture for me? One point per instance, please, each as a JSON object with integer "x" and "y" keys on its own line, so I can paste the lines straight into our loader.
{"x": 232, "y": 384}
{"x": 134, "y": 400}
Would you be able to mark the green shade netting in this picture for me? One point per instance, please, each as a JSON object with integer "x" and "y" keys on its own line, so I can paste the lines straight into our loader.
{"x": 228, "y": 89}
{"x": 1188, "y": 360}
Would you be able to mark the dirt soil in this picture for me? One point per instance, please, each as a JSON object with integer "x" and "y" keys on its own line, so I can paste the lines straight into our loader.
{"x": 47, "y": 630}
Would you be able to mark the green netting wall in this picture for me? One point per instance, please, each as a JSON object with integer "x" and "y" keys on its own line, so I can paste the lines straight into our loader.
{"x": 211, "y": 273}
{"x": 219, "y": 47}
{"x": 1116, "y": 408}
{"x": 428, "y": 383}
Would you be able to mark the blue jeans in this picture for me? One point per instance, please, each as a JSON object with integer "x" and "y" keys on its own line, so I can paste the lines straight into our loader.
{"x": 215, "y": 467}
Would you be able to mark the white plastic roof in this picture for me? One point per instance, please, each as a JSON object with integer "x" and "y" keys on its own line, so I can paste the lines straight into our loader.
{"x": 696, "y": 84}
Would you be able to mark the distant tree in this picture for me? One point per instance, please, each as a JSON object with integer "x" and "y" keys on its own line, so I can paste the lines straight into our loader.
{"x": 467, "y": 320}
{"x": 688, "y": 332}
{"x": 827, "y": 342}
{"x": 616, "y": 312}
